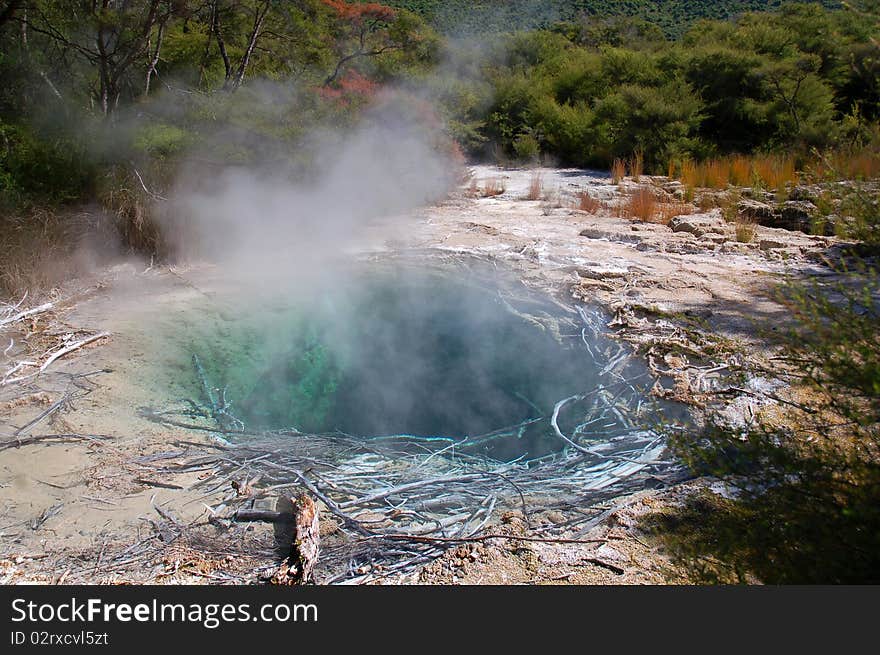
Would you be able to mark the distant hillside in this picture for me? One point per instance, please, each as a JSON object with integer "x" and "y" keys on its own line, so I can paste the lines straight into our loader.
{"x": 468, "y": 17}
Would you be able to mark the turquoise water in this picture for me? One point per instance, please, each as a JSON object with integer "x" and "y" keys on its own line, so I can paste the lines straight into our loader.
{"x": 473, "y": 358}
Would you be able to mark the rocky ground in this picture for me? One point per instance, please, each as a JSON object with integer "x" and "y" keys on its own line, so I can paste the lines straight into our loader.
{"x": 691, "y": 293}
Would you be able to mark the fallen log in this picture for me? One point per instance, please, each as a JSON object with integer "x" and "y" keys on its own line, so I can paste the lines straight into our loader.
{"x": 306, "y": 538}
{"x": 301, "y": 518}
{"x": 298, "y": 568}
{"x": 263, "y": 515}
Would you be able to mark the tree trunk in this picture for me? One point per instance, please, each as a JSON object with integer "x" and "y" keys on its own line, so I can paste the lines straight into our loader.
{"x": 154, "y": 60}
{"x": 259, "y": 18}
{"x": 24, "y": 32}
{"x": 221, "y": 44}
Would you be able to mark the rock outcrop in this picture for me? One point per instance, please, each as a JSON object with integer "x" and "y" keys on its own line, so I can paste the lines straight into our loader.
{"x": 794, "y": 215}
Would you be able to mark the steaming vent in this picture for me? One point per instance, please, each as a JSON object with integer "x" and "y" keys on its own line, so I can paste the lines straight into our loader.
{"x": 412, "y": 375}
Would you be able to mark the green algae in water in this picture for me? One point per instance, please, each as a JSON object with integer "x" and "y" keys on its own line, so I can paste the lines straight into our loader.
{"x": 403, "y": 351}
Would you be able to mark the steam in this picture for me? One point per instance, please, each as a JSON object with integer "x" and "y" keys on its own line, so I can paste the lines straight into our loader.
{"x": 272, "y": 219}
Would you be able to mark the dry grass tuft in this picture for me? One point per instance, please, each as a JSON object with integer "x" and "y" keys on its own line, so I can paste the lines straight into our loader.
{"x": 134, "y": 212}
{"x": 587, "y": 203}
{"x": 770, "y": 171}
{"x": 689, "y": 174}
{"x": 618, "y": 171}
{"x": 775, "y": 171}
{"x": 716, "y": 173}
{"x": 740, "y": 171}
{"x": 745, "y": 231}
{"x": 493, "y": 187}
{"x": 863, "y": 164}
{"x": 641, "y": 205}
{"x": 43, "y": 248}
{"x": 637, "y": 165}
{"x": 536, "y": 186}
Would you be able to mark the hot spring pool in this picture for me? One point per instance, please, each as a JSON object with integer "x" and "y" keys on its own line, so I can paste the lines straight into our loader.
{"x": 465, "y": 355}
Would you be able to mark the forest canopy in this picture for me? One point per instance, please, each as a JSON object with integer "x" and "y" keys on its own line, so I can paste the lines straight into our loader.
{"x": 91, "y": 85}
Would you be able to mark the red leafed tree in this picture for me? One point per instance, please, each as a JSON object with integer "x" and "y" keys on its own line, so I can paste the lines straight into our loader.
{"x": 361, "y": 11}
{"x": 351, "y": 86}
{"x": 365, "y": 30}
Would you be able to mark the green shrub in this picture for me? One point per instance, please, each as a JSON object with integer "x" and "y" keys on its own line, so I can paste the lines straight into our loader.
{"x": 162, "y": 140}
{"x": 805, "y": 506}
{"x": 527, "y": 148}
{"x": 48, "y": 169}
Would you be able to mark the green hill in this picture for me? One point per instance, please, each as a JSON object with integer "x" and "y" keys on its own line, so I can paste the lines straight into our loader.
{"x": 466, "y": 17}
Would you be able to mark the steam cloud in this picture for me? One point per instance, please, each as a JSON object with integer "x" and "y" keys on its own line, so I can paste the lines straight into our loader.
{"x": 264, "y": 221}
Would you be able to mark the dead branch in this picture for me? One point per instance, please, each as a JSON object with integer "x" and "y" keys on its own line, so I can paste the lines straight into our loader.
{"x": 156, "y": 483}
{"x": 408, "y": 487}
{"x": 57, "y": 438}
{"x": 246, "y": 514}
{"x": 487, "y": 537}
{"x": 69, "y": 349}
{"x": 22, "y": 315}
{"x": 48, "y": 513}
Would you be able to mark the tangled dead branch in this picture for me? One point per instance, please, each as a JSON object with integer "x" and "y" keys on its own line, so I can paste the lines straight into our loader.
{"x": 399, "y": 501}
{"x": 23, "y": 362}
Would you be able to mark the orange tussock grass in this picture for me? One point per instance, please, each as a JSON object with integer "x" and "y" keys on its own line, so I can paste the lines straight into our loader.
{"x": 618, "y": 171}
{"x": 493, "y": 187}
{"x": 774, "y": 171}
{"x": 740, "y": 170}
{"x": 641, "y": 205}
{"x": 861, "y": 164}
{"x": 587, "y": 203}
{"x": 716, "y": 173}
{"x": 689, "y": 174}
{"x": 536, "y": 186}
{"x": 637, "y": 165}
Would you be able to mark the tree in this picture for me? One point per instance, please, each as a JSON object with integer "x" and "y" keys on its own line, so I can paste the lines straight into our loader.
{"x": 8, "y": 10}
{"x": 803, "y": 99}
{"x": 257, "y": 12}
{"x": 364, "y": 30}
{"x": 656, "y": 120}
{"x": 112, "y": 36}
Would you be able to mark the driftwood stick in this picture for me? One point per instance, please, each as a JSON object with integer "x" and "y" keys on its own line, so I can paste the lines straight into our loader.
{"x": 486, "y": 537}
{"x": 69, "y": 349}
{"x": 165, "y": 514}
{"x": 407, "y": 487}
{"x": 59, "y": 438}
{"x": 58, "y": 404}
{"x": 30, "y": 312}
{"x": 155, "y": 483}
{"x": 267, "y": 516}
